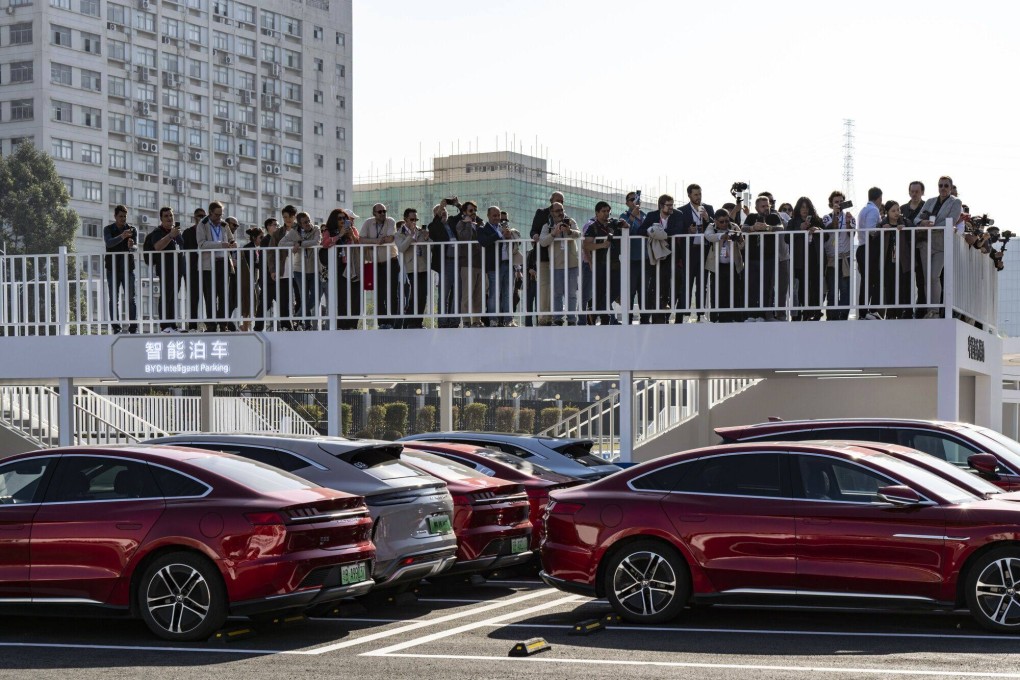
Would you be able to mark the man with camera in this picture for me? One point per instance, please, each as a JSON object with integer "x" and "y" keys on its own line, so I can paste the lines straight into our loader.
{"x": 538, "y": 296}
{"x": 632, "y": 218}
{"x": 725, "y": 261}
{"x": 560, "y": 236}
{"x": 838, "y": 247}
{"x": 412, "y": 243}
{"x": 163, "y": 251}
{"x": 602, "y": 243}
{"x": 466, "y": 224}
{"x": 869, "y": 256}
{"x": 762, "y": 262}
{"x": 121, "y": 240}
{"x": 494, "y": 238}
{"x": 695, "y": 218}
{"x": 446, "y": 262}
{"x": 936, "y": 213}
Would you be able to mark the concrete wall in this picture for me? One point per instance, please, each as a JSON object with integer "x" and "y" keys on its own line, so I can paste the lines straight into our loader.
{"x": 797, "y": 398}
{"x": 11, "y": 443}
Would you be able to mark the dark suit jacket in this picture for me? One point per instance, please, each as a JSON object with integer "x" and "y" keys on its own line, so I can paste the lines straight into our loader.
{"x": 438, "y": 235}
{"x": 490, "y": 238}
{"x": 687, "y": 217}
{"x": 674, "y": 225}
{"x": 541, "y": 219}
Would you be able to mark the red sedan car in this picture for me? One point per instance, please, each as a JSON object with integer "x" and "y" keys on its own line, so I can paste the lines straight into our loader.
{"x": 784, "y": 521}
{"x": 490, "y": 516}
{"x": 181, "y": 538}
{"x": 537, "y": 481}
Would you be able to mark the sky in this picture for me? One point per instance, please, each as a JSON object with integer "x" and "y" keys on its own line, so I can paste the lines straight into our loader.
{"x": 656, "y": 95}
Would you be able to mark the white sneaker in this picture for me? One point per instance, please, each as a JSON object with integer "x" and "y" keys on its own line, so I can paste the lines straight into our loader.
{"x": 167, "y": 330}
{"x": 871, "y": 316}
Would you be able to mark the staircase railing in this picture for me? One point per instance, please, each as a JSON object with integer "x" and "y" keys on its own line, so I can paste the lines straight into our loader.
{"x": 30, "y": 412}
{"x": 99, "y": 420}
{"x": 230, "y": 414}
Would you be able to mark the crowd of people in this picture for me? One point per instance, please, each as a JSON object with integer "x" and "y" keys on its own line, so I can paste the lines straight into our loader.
{"x": 746, "y": 261}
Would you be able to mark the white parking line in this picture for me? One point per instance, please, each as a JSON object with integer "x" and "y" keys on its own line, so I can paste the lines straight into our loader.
{"x": 449, "y": 599}
{"x": 469, "y": 626}
{"x": 152, "y": 648}
{"x": 721, "y": 666}
{"x": 415, "y": 625}
{"x": 755, "y": 631}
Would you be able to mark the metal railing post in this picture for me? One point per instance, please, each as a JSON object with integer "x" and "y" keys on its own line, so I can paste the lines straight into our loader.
{"x": 63, "y": 293}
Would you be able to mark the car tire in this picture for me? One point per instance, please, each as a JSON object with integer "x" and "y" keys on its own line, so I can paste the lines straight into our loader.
{"x": 993, "y": 590}
{"x": 647, "y": 581}
{"x": 181, "y": 597}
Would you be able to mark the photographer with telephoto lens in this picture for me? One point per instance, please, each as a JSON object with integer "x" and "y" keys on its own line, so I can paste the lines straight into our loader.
{"x": 725, "y": 259}
{"x": 838, "y": 248}
{"x": 602, "y": 243}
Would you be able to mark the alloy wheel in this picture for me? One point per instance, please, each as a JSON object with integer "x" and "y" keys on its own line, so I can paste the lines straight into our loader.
{"x": 178, "y": 598}
{"x": 645, "y": 583}
{"x": 997, "y": 591}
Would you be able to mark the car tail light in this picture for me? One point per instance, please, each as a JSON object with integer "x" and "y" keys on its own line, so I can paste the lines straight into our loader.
{"x": 564, "y": 508}
{"x": 264, "y": 518}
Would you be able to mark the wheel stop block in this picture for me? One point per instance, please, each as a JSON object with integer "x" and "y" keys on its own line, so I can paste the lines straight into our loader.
{"x": 587, "y": 627}
{"x": 226, "y": 635}
{"x": 530, "y": 646}
{"x": 612, "y": 619}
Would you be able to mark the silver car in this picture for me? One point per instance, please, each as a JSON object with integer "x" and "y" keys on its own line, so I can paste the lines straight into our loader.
{"x": 571, "y": 457}
{"x": 412, "y": 511}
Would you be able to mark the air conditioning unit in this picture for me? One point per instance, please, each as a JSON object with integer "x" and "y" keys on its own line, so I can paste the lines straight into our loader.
{"x": 228, "y": 59}
{"x": 277, "y": 201}
{"x": 145, "y": 218}
{"x": 179, "y": 186}
{"x": 144, "y": 108}
{"x": 153, "y": 147}
{"x": 244, "y": 131}
{"x": 143, "y": 4}
{"x": 143, "y": 146}
{"x": 110, "y": 26}
{"x": 268, "y": 169}
{"x": 228, "y": 128}
{"x": 196, "y": 156}
{"x": 220, "y": 189}
{"x": 231, "y": 162}
{"x": 176, "y": 120}
{"x": 276, "y": 169}
{"x": 276, "y": 70}
{"x": 165, "y": 40}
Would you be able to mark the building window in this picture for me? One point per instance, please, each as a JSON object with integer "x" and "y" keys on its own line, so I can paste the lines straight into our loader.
{"x": 118, "y": 86}
{"x": 61, "y": 149}
{"x": 69, "y": 185}
{"x": 319, "y": 160}
{"x": 118, "y": 195}
{"x": 59, "y": 35}
{"x": 118, "y": 50}
{"x": 92, "y": 191}
{"x": 317, "y": 32}
{"x": 146, "y": 56}
{"x": 341, "y": 165}
{"x": 21, "y": 72}
{"x": 92, "y": 154}
{"x": 91, "y": 227}
{"x": 292, "y": 156}
{"x": 341, "y": 102}
{"x": 145, "y": 21}
{"x": 341, "y": 39}
{"x": 318, "y": 64}
{"x": 22, "y": 109}
{"x": 292, "y": 26}
{"x": 115, "y": 13}
{"x": 21, "y": 34}
{"x": 246, "y": 48}
{"x": 118, "y": 159}
{"x": 292, "y": 124}
{"x": 341, "y": 133}
{"x": 341, "y": 71}
{"x": 60, "y": 74}
{"x": 62, "y": 112}
{"x": 91, "y": 80}
{"x": 244, "y": 13}
{"x": 292, "y": 91}
{"x": 317, "y": 128}
{"x": 90, "y": 42}
{"x": 145, "y": 128}
{"x": 317, "y": 96}
{"x": 91, "y": 117}
{"x": 318, "y": 192}
{"x": 118, "y": 123}
{"x": 89, "y": 8}
{"x": 291, "y": 59}
{"x": 61, "y": 4}
{"x": 341, "y": 196}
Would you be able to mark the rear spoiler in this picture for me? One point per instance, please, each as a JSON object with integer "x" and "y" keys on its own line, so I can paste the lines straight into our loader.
{"x": 369, "y": 456}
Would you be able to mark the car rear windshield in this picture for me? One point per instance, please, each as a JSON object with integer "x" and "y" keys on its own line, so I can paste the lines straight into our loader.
{"x": 257, "y": 476}
{"x": 382, "y": 462}
{"x": 441, "y": 467}
{"x": 533, "y": 469}
{"x": 580, "y": 452}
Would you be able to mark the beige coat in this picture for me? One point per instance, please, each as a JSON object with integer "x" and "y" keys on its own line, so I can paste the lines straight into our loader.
{"x": 303, "y": 249}
{"x": 712, "y": 259}
{"x": 413, "y": 246}
{"x": 564, "y": 248}
{"x": 207, "y": 244}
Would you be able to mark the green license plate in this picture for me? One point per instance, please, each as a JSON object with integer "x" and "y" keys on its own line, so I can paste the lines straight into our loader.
{"x": 440, "y": 524}
{"x": 519, "y": 544}
{"x": 353, "y": 573}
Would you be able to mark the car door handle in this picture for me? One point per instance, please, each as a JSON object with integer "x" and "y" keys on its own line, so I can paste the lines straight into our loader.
{"x": 129, "y": 526}
{"x": 693, "y": 518}
{"x": 816, "y": 520}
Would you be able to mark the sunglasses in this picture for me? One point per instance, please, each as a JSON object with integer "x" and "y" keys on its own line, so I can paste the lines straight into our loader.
{"x": 380, "y": 212}
{"x": 945, "y": 186}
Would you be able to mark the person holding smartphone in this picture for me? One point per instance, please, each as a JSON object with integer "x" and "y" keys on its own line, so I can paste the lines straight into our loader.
{"x": 163, "y": 252}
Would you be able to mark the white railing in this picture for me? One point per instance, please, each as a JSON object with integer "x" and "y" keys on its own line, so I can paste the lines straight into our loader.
{"x": 780, "y": 275}
{"x": 230, "y": 414}
{"x": 100, "y": 421}
{"x": 31, "y": 412}
{"x": 660, "y": 406}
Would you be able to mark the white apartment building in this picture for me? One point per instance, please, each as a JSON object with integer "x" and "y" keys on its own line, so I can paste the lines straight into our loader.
{"x": 156, "y": 102}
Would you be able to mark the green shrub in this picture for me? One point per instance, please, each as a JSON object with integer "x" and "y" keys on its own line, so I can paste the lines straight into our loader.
{"x": 346, "y": 419}
{"x": 392, "y": 435}
{"x": 549, "y": 417}
{"x": 376, "y": 421}
{"x": 474, "y": 416}
{"x": 425, "y": 419}
{"x": 526, "y": 421}
{"x": 455, "y": 424}
{"x": 364, "y": 434}
{"x": 313, "y": 414}
{"x": 505, "y": 419}
{"x": 396, "y": 416}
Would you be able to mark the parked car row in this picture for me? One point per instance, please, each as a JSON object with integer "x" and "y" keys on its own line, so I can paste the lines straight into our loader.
{"x": 185, "y": 530}
{"x": 817, "y": 512}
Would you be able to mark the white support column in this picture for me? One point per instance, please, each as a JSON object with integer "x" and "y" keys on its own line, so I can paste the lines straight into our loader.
{"x": 445, "y": 406}
{"x": 65, "y": 411}
{"x": 334, "y": 403}
{"x": 948, "y": 398}
{"x": 988, "y": 401}
{"x": 704, "y": 417}
{"x": 205, "y": 408}
{"x": 626, "y": 416}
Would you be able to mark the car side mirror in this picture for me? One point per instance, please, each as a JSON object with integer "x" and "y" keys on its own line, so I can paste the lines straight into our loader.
{"x": 899, "y": 495}
{"x": 984, "y": 463}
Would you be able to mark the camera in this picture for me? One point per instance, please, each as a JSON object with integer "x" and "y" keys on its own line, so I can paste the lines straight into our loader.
{"x": 982, "y": 221}
{"x": 738, "y": 187}
{"x": 177, "y": 225}
{"x": 846, "y": 204}
{"x": 771, "y": 219}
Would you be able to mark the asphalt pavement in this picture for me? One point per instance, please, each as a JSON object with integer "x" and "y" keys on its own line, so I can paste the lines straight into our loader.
{"x": 465, "y": 630}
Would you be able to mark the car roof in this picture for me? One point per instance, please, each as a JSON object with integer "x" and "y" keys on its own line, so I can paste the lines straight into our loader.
{"x": 502, "y": 436}
{"x": 152, "y": 452}
{"x": 778, "y": 426}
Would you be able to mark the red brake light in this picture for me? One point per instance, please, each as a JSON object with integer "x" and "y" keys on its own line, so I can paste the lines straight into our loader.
{"x": 264, "y": 518}
{"x": 564, "y": 508}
